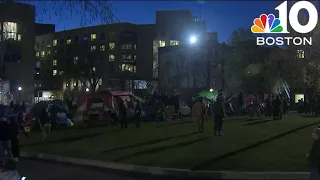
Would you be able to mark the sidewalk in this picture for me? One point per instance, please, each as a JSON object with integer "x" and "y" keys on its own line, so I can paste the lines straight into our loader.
{"x": 171, "y": 172}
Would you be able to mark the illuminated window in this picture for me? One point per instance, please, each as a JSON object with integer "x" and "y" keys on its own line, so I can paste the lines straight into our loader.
{"x": 61, "y": 73}
{"x": 126, "y": 46}
{"x": 48, "y": 52}
{"x": 126, "y": 57}
{"x": 69, "y": 41}
{"x": 93, "y": 48}
{"x": 102, "y": 48}
{"x": 135, "y": 47}
{"x": 48, "y": 46}
{"x": 75, "y": 60}
{"x": 300, "y": 54}
{"x": 128, "y": 67}
{"x": 94, "y": 69}
{"x": 112, "y": 46}
{"x": 93, "y": 37}
{"x": 54, "y": 42}
{"x": 37, "y": 54}
{"x": 10, "y": 30}
{"x": 43, "y": 53}
{"x": 54, "y": 62}
{"x": 19, "y": 37}
{"x": 134, "y": 57}
{"x": 54, "y": 72}
{"x": 174, "y": 43}
{"x": 162, "y": 43}
{"x": 75, "y": 84}
{"x": 111, "y": 57}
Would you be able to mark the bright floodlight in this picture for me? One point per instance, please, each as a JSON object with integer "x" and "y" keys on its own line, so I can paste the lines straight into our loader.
{"x": 211, "y": 90}
{"x": 87, "y": 89}
{"x": 19, "y": 88}
{"x": 193, "y": 39}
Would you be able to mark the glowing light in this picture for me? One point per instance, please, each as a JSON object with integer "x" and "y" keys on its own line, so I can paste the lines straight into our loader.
{"x": 192, "y": 40}
{"x": 87, "y": 89}
{"x": 211, "y": 90}
{"x": 19, "y": 88}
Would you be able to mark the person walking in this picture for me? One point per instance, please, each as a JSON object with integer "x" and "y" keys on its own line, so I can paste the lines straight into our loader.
{"x": 314, "y": 156}
{"x": 198, "y": 112}
{"x": 5, "y": 143}
{"x": 138, "y": 113}
{"x": 123, "y": 115}
{"x": 219, "y": 114}
{"x": 14, "y": 137}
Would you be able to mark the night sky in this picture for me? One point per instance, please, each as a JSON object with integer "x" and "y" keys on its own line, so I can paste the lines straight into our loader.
{"x": 221, "y": 16}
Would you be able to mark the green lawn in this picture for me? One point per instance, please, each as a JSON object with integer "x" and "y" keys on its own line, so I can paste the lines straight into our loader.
{"x": 248, "y": 145}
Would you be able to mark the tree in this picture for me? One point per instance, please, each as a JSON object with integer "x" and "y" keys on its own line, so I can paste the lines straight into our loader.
{"x": 88, "y": 71}
{"x": 89, "y": 11}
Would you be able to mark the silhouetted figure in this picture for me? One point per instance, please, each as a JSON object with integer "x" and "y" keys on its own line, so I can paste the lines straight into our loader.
{"x": 45, "y": 124}
{"x": 14, "y": 133}
{"x": 23, "y": 107}
{"x": 219, "y": 114}
{"x": 198, "y": 112}
{"x": 276, "y": 104}
{"x": 138, "y": 113}
{"x": 123, "y": 115}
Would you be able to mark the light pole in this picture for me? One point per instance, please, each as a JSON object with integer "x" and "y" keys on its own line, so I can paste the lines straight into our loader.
{"x": 19, "y": 89}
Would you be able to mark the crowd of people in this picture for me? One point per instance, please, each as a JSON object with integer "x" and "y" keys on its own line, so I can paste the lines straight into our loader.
{"x": 11, "y": 124}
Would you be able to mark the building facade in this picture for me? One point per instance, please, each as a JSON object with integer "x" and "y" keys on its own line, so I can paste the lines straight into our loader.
{"x": 17, "y": 56}
{"x": 122, "y": 56}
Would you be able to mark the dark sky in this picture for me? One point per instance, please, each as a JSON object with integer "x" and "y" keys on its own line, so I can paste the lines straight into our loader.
{"x": 221, "y": 16}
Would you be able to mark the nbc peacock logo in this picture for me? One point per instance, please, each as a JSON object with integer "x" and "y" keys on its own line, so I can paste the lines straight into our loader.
{"x": 266, "y": 24}
{"x": 269, "y": 24}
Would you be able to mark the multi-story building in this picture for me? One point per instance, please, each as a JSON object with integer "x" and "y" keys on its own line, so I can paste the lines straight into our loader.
{"x": 17, "y": 55}
{"x": 121, "y": 56}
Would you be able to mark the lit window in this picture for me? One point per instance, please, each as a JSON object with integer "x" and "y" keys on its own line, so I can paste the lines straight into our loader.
{"x": 19, "y": 37}
{"x": 112, "y": 46}
{"x": 75, "y": 84}
{"x": 54, "y": 72}
{"x": 61, "y": 73}
{"x": 37, "y": 54}
{"x": 127, "y": 57}
{"x": 55, "y": 42}
{"x": 126, "y": 46}
{"x": 93, "y": 48}
{"x": 43, "y": 53}
{"x": 93, "y": 37}
{"x": 69, "y": 41}
{"x": 111, "y": 57}
{"x": 128, "y": 67}
{"x": 48, "y": 46}
{"x": 174, "y": 43}
{"x": 134, "y": 57}
{"x": 162, "y": 43}
{"x": 300, "y": 54}
{"x": 94, "y": 69}
{"x": 135, "y": 47}
{"x": 10, "y": 30}
{"x": 102, "y": 48}
{"x": 75, "y": 60}
{"x": 54, "y": 62}
{"x": 48, "y": 52}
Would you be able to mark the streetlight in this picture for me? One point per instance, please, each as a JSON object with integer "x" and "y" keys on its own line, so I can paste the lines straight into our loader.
{"x": 87, "y": 89}
{"x": 19, "y": 89}
{"x": 211, "y": 90}
{"x": 193, "y": 39}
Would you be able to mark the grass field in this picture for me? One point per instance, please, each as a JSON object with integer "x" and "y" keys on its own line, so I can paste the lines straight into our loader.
{"x": 248, "y": 145}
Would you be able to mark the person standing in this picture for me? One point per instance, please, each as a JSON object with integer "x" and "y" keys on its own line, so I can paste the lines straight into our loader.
{"x": 5, "y": 143}
{"x": 219, "y": 114}
{"x": 123, "y": 115}
{"x": 198, "y": 112}
{"x": 276, "y": 105}
{"x": 45, "y": 124}
{"x": 14, "y": 137}
{"x": 138, "y": 113}
{"x": 314, "y": 156}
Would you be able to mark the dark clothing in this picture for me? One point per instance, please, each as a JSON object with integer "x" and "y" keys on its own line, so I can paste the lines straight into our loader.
{"x": 5, "y": 134}
{"x": 14, "y": 132}
{"x": 44, "y": 118}
{"x": 123, "y": 116}
{"x": 219, "y": 114}
{"x": 276, "y": 109}
{"x": 138, "y": 115}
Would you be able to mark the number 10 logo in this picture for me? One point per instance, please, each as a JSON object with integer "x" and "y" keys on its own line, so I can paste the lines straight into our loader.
{"x": 270, "y": 24}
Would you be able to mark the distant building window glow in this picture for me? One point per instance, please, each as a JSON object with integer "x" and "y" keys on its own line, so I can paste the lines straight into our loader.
{"x": 126, "y": 46}
{"x": 69, "y": 41}
{"x": 162, "y": 43}
{"x": 37, "y": 54}
{"x": 111, "y": 57}
{"x": 43, "y": 53}
{"x": 54, "y": 42}
{"x": 128, "y": 67}
{"x": 93, "y": 48}
{"x": 102, "y": 48}
{"x": 54, "y": 72}
{"x": 300, "y": 54}
{"x": 54, "y": 62}
{"x": 174, "y": 43}
{"x": 19, "y": 37}
{"x": 75, "y": 60}
{"x": 112, "y": 46}
{"x": 93, "y": 37}
{"x": 10, "y": 30}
